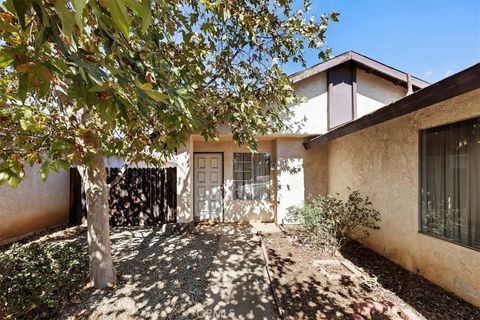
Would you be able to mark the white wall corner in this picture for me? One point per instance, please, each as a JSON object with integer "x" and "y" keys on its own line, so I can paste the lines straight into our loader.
{"x": 290, "y": 178}
{"x": 184, "y": 161}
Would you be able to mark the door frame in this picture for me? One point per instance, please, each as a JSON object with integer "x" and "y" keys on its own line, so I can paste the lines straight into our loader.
{"x": 222, "y": 185}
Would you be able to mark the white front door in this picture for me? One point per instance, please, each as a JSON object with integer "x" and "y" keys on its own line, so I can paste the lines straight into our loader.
{"x": 208, "y": 184}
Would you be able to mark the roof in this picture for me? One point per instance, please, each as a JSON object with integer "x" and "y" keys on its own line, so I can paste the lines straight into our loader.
{"x": 457, "y": 84}
{"x": 366, "y": 63}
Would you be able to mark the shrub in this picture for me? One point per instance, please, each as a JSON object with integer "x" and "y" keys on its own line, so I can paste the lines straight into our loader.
{"x": 331, "y": 220}
{"x": 36, "y": 278}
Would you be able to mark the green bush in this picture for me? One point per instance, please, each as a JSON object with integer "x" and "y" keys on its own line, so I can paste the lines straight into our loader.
{"x": 331, "y": 220}
{"x": 36, "y": 278}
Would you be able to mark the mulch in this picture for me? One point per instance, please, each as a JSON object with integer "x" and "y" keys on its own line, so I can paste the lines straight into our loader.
{"x": 305, "y": 292}
{"x": 54, "y": 234}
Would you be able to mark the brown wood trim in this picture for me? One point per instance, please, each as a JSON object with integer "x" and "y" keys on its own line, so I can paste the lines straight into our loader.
{"x": 299, "y": 76}
{"x": 350, "y": 79}
{"x": 329, "y": 94}
{"x": 388, "y": 71}
{"x": 370, "y": 65}
{"x": 354, "y": 92}
{"x": 457, "y": 84}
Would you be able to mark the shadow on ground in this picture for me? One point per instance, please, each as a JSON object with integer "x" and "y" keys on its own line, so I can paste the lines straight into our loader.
{"x": 304, "y": 297}
{"x": 239, "y": 287}
{"x": 215, "y": 272}
{"x": 427, "y": 298}
{"x": 160, "y": 277}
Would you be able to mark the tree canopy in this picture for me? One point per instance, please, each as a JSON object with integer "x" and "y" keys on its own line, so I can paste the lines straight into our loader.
{"x": 86, "y": 79}
{"x": 146, "y": 72}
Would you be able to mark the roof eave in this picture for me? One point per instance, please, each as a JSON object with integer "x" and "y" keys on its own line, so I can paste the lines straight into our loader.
{"x": 457, "y": 84}
{"x": 364, "y": 63}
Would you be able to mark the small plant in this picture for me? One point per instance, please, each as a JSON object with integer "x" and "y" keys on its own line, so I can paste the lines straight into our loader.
{"x": 331, "y": 220}
{"x": 36, "y": 278}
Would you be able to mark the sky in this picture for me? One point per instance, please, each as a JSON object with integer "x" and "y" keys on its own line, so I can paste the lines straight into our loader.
{"x": 430, "y": 39}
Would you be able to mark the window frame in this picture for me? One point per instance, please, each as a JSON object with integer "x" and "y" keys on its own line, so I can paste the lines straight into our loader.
{"x": 420, "y": 185}
{"x": 252, "y": 174}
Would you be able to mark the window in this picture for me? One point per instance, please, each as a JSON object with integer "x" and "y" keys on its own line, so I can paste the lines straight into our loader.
{"x": 450, "y": 182}
{"x": 251, "y": 176}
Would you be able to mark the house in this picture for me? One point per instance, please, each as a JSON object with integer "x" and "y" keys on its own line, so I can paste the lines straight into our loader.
{"x": 418, "y": 159}
{"x": 412, "y": 147}
{"x": 223, "y": 181}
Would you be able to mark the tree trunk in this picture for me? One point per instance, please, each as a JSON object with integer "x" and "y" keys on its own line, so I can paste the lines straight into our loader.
{"x": 94, "y": 179}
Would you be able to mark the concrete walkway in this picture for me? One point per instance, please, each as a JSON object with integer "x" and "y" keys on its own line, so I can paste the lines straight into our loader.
{"x": 238, "y": 282}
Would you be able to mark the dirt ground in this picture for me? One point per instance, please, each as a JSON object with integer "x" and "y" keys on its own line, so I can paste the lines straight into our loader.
{"x": 306, "y": 290}
{"x": 211, "y": 272}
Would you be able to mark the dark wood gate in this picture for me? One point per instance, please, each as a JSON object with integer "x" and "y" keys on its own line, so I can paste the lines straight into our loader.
{"x": 142, "y": 197}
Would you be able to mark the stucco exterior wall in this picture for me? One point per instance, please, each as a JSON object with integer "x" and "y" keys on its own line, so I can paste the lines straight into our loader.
{"x": 33, "y": 205}
{"x": 382, "y": 162}
{"x": 184, "y": 162}
{"x": 310, "y": 116}
{"x": 290, "y": 177}
{"x": 315, "y": 166}
{"x": 374, "y": 92}
{"x": 241, "y": 210}
{"x": 299, "y": 174}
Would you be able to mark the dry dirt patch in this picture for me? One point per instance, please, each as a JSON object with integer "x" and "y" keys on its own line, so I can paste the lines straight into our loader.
{"x": 309, "y": 289}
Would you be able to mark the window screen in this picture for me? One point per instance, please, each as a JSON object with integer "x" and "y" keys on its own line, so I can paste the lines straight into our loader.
{"x": 450, "y": 182}
{"x": 251, "y": 176}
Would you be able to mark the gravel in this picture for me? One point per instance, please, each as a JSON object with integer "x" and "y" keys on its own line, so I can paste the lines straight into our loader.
{"x": 160, "y": 277}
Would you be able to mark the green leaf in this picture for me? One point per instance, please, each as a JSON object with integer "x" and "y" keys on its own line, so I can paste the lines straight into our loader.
{"x": 141, "y": 9}
{"x": 23, "y": 86}
{"x": 44, "y": 171}
{"x": 79, "y": 6}
{"x": 58, "y": 164}
{"x": 99, "y": 88}
{"x": 5, "y": 60}
{"x": 118, "y": 10}
{"x": 31, "y": 158}
{"x": 24, "y": 124}
{"x": 143, "y": 109}
{"x": 41, "y": 39}
{"x": 66, "y": 17}
{"x": 21, "y": 8}
{"x": 157, "y": 95}
{"x": 4, "y": 177}
{"x": 149, "y": 91}
{"x": 182, "y": 92}
{"x": 14, "y": 181}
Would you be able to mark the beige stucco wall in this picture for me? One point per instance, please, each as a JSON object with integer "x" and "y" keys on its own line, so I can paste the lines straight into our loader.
{"x": 290, "y": 177}
{"x": 183, "y": 161}
{"x": 315, "y": 166}
{"x": 382, "y": 162}
{"x": 310, "y": 116}
{"x": 240, "y": 210}
{"x": 33, "y": 205}
{"x": 299, "y": 173}
{"x": 374, "y": 92}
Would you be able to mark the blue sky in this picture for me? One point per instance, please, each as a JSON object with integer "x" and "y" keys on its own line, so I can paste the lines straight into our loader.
{"x": 430, "y": 39}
